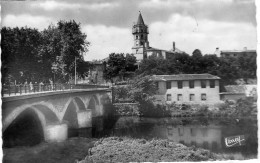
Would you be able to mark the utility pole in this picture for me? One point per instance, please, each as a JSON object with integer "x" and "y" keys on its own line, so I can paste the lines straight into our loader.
{"x": 75, "y": 71}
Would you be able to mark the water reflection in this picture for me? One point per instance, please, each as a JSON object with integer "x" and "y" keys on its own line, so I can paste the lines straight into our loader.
{"x": 202, "y": 133}
{"x": 200, "y": 136}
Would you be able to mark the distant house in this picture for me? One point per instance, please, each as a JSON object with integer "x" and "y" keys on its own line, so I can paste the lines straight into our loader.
{"x": 187, "y": 88}
{"x": 150, "y": 51}
{"x": 235, "y": 92}
{"x": 237, "y": 53}
{"x": 96, "y": 72}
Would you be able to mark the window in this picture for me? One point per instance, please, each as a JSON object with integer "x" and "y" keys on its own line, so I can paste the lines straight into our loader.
{"x": 203, "y": 83}
{"x": 191, "y": 83}
{"x": 192, "y": 132}
{"x": 203, "y": 97}
{"x": 192, "y": 96}
{"x": 136, "y": 37}
{"x": 168, "y": 85}
{"x": 181, "y": 131}
{"x": 142, "y": 36}
{"x": 169, "y": 97}
{"x": 212, "y": 83}
{"x": 179, "y": 84}
{"x": 170, "y": 131}
{"x": 179, "y": 97}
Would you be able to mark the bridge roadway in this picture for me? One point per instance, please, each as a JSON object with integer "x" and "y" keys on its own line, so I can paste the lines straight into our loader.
{"x": 57, "y": 111}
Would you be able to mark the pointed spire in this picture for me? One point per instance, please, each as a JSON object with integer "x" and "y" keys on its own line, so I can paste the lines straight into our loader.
{"x": 140, "y": 19}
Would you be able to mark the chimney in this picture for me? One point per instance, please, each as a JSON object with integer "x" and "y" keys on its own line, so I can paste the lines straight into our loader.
{"x": 217, "y": 52}
{"x": 173, "y": 46}
{"x": 245, "y": 49}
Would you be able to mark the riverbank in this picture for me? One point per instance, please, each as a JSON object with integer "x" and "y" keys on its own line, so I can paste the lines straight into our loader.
{"x": 113, "y": 149}
{"x": 63, "y": 152}
{"x": 122, "y": 149}
{"x": 242, "y": 108}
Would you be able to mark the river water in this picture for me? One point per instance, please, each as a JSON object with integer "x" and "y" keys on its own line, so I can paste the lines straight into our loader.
{"x": 199, "y": 132}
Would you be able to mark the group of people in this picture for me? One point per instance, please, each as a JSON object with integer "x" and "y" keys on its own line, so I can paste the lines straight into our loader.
{"x": 40, "y": 86}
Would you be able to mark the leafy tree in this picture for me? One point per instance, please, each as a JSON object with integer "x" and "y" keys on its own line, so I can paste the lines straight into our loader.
{"x": 20, "y": 57}
{"x": 196, "y": 53}
{"x": 28, "y": 54}
{"x": 247, "y": 66}
{"x": 130, "y": 62}
{"x": 118, "y": 65}
{"x": 153, "y": 66}
{"x": 62, "y": 44}
{"x": 180, "y": 63}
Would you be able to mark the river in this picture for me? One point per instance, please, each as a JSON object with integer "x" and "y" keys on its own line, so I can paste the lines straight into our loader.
{"x": 199, "y": 132}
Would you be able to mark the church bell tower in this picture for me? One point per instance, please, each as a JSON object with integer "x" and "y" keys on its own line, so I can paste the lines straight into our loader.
{"x": 140, "y": 33}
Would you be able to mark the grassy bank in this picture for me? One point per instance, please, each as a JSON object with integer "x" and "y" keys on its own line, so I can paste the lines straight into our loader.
{"x": 115, "y": 149}
{"x": 62, "y": 152}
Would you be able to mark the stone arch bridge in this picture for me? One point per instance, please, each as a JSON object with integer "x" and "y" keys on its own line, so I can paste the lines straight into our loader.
{"x": 57, "y": 112}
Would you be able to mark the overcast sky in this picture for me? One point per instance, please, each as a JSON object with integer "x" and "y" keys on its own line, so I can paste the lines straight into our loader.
{"x": 192, "y": 24}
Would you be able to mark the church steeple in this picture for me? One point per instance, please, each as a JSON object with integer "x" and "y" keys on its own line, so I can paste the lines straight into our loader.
{"x": 140, "y": 20}
{"x": 140, "y": 33}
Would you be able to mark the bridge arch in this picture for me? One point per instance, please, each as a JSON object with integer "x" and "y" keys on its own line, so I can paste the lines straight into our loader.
{"x": 27, "y": 125}
{"x": 79, "y": 104}
{"x": 93, "y": 105}
{"x": 40, "y": 109}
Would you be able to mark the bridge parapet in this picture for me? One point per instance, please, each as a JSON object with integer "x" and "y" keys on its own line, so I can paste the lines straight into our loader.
{"x": 16, "y": 90}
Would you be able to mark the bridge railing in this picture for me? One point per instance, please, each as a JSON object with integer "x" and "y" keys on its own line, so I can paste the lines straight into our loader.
{"x": 12, "y": 90}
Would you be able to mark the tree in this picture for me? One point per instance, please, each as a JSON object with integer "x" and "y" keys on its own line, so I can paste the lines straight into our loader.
{"x": 153, "y": 66}
{"x": 196, "y": 53}
{"x": 20, "y": 57}
{"x": 180, "y": 63}
{"x": 130, "y": 62}
{"x": 247, "y": 66}
{"x": 62, "y": 44}
{"x": 118, "y": 65}
{"x": 28, "y": 54}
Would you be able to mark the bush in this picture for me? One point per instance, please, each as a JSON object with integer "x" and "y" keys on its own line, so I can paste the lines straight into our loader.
{"x": 114, "y": 149}
{"x": 245, "y": 107}
{"x": 149, "y": 109}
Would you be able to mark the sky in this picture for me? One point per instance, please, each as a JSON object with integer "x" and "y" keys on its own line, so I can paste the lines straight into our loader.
{"x": 191, "y": 24}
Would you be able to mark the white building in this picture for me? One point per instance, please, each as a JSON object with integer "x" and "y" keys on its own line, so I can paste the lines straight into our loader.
{"x": 187, "y": 88}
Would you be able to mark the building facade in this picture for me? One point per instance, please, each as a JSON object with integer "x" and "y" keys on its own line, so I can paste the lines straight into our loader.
{"x": 96, "y": 72}
{"x": 235, "y": 53}
{"x": 187, "y": 88}
{"x": 141, "y": 48}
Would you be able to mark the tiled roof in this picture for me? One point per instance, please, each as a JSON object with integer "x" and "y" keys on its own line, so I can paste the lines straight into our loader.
{"x": 168, "y": 51}
{"x": 237, "y": 51}
{"x": 183, "y": 77}
{"x": 176, "y": 51}
{"x": 155, "y": 49}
